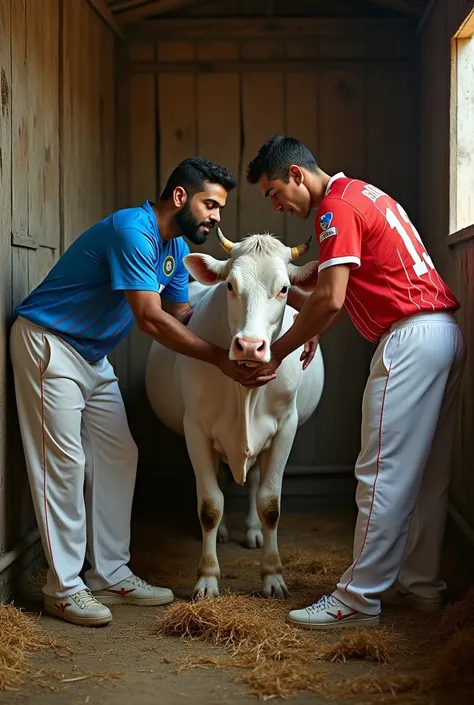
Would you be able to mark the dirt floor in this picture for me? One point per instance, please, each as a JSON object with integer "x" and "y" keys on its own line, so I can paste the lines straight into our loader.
{"x": 129, "y": 661}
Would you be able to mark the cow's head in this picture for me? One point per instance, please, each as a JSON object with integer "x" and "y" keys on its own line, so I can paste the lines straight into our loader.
{"x": 258, "y": 276}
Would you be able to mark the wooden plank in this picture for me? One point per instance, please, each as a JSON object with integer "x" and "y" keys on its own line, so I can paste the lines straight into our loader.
{"x": 405, "y": 6}
{"x": 335, "y": 48}
{"x": 100, "y": 7}
{"x": 301, "y": 122}
{"x": 265, "y": 90}
{"x": 67, "y": 174}
{"x": 342, "y": 120}
{"x": 122, "y": 136}
{"x": 19, "y": 116}
{"x": 383, "y": 130}
{"x": 142, "y": 139}
{"x": 142, "y": 52}
{"x": 223, "y": 51}
{"x": 253, "y": 66}
{"x": 50, "y": 234}
{"x": 200, "y": 29}
{"x": 462, "y": 483}
{"x": 107, "y": 119}
{"x": 218, "y": 138}
{"x": 461, "y": 236}
{"x": 177, "y": 121}
{"x": 262, "y": 49}
{"x": 158, "y": 7}
{"x": 36, "y": 118}
{"x": 5, "y": 260}
{"x": 175, "y": 51}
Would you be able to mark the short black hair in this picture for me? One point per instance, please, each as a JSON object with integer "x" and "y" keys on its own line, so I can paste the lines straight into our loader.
{"x": 275, "y": 157}
{"x": 193, "y": 173}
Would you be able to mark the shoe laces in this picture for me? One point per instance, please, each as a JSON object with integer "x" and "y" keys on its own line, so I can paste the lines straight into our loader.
{"x": 139, "y": 582}
{"x": 324, "y": 603}
{"x": 84, "y": 598}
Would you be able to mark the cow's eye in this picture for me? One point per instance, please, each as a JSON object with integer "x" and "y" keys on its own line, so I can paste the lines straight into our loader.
{"x": 229, "y": 286}
{"x": 284, "y": 290}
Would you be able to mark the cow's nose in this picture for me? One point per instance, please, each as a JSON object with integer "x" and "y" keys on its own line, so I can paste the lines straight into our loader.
{"x": 249, "y": 348}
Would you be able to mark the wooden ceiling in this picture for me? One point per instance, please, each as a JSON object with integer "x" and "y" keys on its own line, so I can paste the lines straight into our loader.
{"x": 125, "y": 12}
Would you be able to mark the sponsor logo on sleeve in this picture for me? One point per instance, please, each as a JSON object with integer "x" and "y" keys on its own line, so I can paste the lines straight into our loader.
{"x": 327, "y": 233}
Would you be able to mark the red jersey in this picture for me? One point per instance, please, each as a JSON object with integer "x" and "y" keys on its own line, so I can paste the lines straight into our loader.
{"x": 391, "y": 274}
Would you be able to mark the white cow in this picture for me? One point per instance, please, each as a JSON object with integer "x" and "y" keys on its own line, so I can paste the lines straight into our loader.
{"x": 242, "y": 308}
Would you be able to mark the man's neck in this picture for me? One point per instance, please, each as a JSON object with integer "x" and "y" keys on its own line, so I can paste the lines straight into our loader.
{"x": 317, "y": 185}
{"x": 166, "y": 222}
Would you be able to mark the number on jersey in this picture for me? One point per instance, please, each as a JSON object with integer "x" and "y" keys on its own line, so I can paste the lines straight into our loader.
{"x": 420, "y": 262}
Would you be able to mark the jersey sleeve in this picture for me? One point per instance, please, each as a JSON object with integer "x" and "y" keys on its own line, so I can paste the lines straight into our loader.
{"x": 177, "y": 289}
{"x": 339, "y": 228}
{"x": 132, "y": 261}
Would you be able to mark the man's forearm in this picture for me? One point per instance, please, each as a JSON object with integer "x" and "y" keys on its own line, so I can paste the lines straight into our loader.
{"x": 172, "y": 334}
{"x": 314, "y": 318}
{"x": 297, "y": 298}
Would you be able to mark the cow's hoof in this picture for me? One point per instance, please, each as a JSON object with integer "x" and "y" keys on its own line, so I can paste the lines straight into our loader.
{"x": 206, "y": 587}
{"x": 222, "y": 534}
{"x": 254, "y": 538}
{"x": 274, "y": 586}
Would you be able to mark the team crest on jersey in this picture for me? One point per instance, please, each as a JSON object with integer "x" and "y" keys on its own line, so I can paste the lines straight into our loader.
{"x": 326, "y": 220}
{"x": 168, "y": 265}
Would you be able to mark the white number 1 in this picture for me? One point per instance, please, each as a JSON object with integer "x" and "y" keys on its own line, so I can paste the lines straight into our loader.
{"x": 419, "y": 262}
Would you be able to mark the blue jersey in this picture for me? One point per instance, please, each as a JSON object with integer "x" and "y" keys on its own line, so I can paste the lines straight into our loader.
{"x": 82, "y": 299}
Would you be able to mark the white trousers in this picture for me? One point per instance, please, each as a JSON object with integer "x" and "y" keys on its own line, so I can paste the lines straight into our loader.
{"x": 403, "y": 469}
{"x": 80, "y": 456}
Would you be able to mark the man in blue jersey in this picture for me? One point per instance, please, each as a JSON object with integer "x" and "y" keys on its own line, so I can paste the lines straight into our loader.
{"x": 80, "y": 456}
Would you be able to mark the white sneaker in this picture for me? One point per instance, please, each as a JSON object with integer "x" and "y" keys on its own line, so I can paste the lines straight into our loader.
{"x": 80, "y": 608}
{"x": 329, "y": 612}
{"x": 398, "y": 595}
{"x": 134, "y": 591}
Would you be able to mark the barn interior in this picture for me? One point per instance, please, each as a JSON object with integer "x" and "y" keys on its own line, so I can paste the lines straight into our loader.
{"x": 100, "y": 99}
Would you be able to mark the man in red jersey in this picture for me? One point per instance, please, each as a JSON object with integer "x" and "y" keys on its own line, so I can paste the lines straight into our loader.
{"x": 374, "y": 265}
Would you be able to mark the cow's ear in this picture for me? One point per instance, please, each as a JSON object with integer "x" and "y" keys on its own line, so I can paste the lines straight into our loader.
{"x": 205, "y": 269}
{"x": 304, "y": 277}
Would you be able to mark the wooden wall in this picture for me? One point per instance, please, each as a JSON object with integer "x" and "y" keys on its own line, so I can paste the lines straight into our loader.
{"x": 347, "y": 90}
{"x": 452, "y": 253}
{"x": 56, "y": 177}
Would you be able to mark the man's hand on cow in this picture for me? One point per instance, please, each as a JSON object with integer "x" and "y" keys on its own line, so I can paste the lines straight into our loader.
{"x": 246, "y": 376}
{"x": 259, "y": 375}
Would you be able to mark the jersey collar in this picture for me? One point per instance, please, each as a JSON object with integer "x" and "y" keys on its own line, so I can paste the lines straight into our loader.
{"x": 339, "y": 175}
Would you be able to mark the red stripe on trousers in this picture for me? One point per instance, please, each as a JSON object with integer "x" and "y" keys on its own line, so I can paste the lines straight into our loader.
{"x": 376, "y": 478}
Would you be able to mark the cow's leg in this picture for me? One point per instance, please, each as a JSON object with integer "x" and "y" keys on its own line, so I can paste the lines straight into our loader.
{"x": 272, "y": 466}
{"x": 222, "y": 531}
{"x": 205, "y": 462}
{"x": 253, "y": 536}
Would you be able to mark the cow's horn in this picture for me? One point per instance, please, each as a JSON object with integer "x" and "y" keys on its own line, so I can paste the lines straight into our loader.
{"x": 301, "y": 250}
{"x": 226, "y": 244}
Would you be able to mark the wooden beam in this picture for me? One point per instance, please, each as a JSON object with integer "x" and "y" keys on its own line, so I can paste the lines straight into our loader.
{"x": 105, "y": 14}
{"x": 284, "y": 66}
{"x": 405, "y": 6}
{"x": 157, "y": 7}
{"x": 466, "y": 30}
{"x": 262, "y": 28}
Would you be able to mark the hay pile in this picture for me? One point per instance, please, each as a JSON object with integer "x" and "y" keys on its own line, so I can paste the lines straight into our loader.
{"x": 448, "y": 672}
{"x": 19, "y": 636}
{"x": 281, "y": 659}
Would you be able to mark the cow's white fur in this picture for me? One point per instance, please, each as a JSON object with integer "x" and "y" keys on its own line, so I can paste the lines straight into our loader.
{"x": 251, "y": 430}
